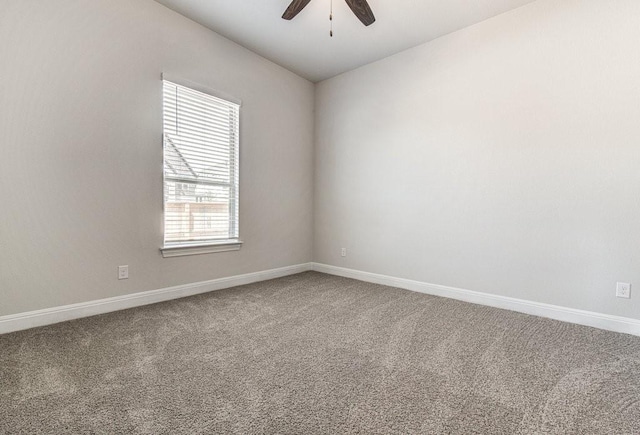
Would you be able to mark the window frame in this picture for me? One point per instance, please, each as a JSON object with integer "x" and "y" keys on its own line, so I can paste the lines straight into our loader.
{"x": 182, "y": 248}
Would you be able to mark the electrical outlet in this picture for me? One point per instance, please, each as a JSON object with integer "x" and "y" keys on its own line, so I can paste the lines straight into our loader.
{"x": 343, "y": 252}
{"x": 623, "y": 290}
{"x": 123, "y": 272}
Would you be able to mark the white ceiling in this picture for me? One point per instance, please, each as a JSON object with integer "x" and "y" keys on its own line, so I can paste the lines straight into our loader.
{"x": 303, "y": 45}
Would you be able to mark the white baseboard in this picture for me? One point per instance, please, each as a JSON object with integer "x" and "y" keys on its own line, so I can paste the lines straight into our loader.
{"x": 32, "y": 319}
{"x": 571, "y": 315}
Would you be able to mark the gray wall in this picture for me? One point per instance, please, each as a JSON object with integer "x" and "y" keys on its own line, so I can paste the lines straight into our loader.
{"x": 503, "y": 158}
{"x": 81, "y": 165}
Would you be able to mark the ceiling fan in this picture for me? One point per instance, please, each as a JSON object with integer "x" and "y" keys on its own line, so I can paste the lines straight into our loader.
{"x": 359, "y": 7}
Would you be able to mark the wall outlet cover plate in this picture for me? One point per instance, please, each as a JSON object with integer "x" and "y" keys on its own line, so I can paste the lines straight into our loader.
{"x": 623, "y": 290}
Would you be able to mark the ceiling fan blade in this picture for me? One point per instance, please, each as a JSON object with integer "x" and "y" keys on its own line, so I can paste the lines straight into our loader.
{"x": 362, "y": 10}
{"x": 294, "y": 8}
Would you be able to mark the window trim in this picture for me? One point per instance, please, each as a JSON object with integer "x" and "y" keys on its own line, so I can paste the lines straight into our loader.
{"x": 200, "y": 248}
{"x": 179, "y": 249}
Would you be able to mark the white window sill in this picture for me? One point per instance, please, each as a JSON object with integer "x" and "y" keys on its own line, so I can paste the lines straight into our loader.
{"x": 208, "y": 248}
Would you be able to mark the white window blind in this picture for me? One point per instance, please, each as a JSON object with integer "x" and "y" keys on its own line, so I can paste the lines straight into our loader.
{"x": 200, "y": 167}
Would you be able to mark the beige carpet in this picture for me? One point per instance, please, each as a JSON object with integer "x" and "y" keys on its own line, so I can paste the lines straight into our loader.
{"x": 314, "y": 353}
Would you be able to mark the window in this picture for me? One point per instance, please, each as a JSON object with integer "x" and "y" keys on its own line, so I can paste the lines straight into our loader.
{"x": 200, "y": 171}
